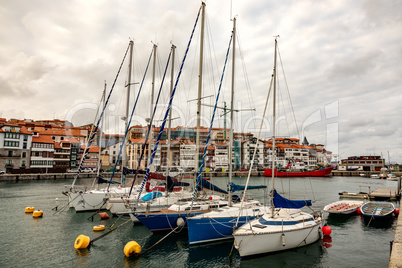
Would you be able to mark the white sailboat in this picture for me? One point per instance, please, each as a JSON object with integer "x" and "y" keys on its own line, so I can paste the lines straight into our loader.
{"x": 219, "y": 224}
{"x": 83, "y": 199}
{"x": 285, "y": 226}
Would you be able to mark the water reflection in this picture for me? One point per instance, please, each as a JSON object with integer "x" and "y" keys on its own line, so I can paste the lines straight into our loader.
{"x": 307, "y": 256}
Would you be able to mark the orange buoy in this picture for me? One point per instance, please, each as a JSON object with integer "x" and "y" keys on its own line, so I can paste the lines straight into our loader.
{"x": 132, "y": 248}
{"x": 29, "y": 209}
{"x": 104, "y": 215}
{"x": 98, "y": 228}
{"x": 37, "y": 214}
{"x": 82, "y": 241}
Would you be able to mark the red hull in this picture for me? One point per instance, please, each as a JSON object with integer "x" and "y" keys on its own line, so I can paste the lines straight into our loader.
{"x": 317, "y": 173}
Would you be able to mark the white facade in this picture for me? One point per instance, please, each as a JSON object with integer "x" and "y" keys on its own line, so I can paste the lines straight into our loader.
{"x": 248, "y": 148}
{"x": 221, "y": 156}
{"x": 14, "y": 147}
{"x": 187, "y": 156}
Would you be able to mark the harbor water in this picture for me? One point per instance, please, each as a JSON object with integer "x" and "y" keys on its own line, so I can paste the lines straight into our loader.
{"x": 49, "y": 241}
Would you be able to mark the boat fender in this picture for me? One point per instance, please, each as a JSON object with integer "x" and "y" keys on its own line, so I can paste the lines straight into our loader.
{"x": 132, "y": 248}
{"x": 104, "y": 215}
{"x": 283, "y": 240}
{"x": 37, "y": 214}
{"x": 82, "y": 241}
{"x": 396, "y": 211}
{"x": 29, "y": 209}
{"x": 180, "y": 222}
{"x": 359, "y": 210}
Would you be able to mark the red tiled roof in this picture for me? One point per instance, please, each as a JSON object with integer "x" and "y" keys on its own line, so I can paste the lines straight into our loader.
{"x": 43, "y": 139}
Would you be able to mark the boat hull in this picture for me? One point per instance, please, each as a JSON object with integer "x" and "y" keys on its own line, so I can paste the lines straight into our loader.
{"x": 162, "y": 222}
{"x": 220, "y": 224}
{"x": 377, "y": 210}
{"x": 263, "y": 243}
{"x": 88, "y": 201}
{"x": 346, "y": 207}
{"x": 316, "y": 173}
{"x": 287, "y": 229}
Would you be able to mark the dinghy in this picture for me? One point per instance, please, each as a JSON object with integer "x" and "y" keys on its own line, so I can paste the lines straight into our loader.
{"x": 346, "y": 207}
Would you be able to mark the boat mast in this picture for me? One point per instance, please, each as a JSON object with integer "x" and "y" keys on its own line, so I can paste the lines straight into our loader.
{"x": 170, "y": 117}
{"x": 273, "y": 133}
{"x": 124, "y": 156}
{"x": 197, "y": 141}
{"x": 100, "y": 136}
{"x": 151, "y": 133}
{"x": 231, "y": 109}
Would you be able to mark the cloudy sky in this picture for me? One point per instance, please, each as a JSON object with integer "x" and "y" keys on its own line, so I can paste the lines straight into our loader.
{"x": 341, "y": 59}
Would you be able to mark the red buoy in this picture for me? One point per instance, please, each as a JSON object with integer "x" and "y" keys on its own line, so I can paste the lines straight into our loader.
{"x": 359, "y": 211}
{"x": 326, "y": 230}
{"x": 104, "y": 215}
{"x": 396, "y": 211}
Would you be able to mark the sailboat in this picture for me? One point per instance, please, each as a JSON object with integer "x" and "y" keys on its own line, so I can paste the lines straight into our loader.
{"x": 96, "y": 199}
{"x": 175, "y": 216}
{"x": 219, "y": 224}
{"x": 285, "y": 226}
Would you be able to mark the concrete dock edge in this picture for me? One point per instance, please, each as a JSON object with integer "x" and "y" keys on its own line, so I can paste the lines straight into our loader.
{"x": 395, "y": 259}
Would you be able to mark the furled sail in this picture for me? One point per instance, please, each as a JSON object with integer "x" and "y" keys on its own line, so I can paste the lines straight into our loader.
{"x": 282, "y": 202}
{"x": 207, "y": 185}
{"x": 234, "y": 187}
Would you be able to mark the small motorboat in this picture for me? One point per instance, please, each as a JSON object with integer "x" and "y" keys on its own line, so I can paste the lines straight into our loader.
{"x": 346, "y": 207}
{"x": 392, "y": 177}
{"x": 377, "y": 209}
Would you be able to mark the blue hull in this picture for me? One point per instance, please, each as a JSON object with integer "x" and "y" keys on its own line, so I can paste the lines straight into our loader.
{"x": 163, "y": 222}
{"x": 214, "y": 229}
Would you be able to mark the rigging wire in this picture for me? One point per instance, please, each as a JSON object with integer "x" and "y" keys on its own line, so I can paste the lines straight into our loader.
{"x": 98, "y": 122}
{"x": 169, "y": 105}
{"x": 125, "y": 134}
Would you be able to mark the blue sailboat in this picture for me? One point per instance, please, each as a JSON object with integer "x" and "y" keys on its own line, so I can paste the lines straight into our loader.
{"x": 219, "y": 224}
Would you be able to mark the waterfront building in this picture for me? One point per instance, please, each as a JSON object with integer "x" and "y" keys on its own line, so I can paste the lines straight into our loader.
{"x": 15, "y": 145}
{"x": 187, "y": 154}
{"x": 210, "y": 159}
{"x": 248, "y": 148}
{"x": 365, "y": 163}
{"x": 62, "y": 151}
{"x": 92, "y": 157}
{"x": 42, "y": 153}
{"x": 221, "y": 156}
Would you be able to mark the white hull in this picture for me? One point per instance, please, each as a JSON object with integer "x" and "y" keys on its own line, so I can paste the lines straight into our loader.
{"x": 121, "y": 205}
{"x": 94, "y": 200}
{"x": 256, "y": 237}
{"x": 343, "y": 207}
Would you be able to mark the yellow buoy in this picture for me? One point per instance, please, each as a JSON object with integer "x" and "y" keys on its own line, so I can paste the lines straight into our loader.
{"x": 98, "y": 228}
{"x": 82, "y": 241}
{"x": 132, "y": 248}
{"x": 29, "y": 209}
{"x": 37, "y": 214}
